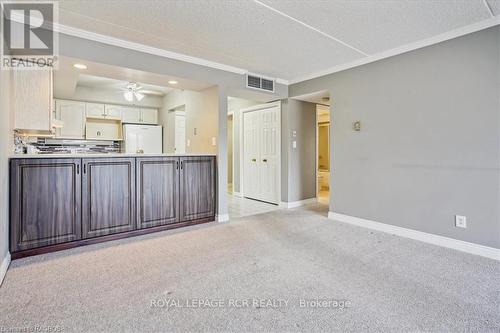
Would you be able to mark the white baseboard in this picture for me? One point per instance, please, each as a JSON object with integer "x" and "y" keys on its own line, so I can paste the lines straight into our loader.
{"x": 477, "y": 249}
{"x": 294, "y": 204}
{"x": 4, "y": 266}
{"x": 222, "y": 218}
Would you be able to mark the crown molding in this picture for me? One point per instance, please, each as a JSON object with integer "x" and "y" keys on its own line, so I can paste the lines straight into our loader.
{"x": 67, "y": 30}
{"x": 488, "y": 23}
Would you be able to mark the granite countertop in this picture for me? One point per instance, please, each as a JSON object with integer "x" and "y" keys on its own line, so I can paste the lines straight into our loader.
{"x": 110, "y": 155}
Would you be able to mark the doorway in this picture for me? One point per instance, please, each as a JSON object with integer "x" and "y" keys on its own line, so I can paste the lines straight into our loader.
{"x": 323, "y": 153}
{"x": 230, "y": 154}
{"x": 180, "y": 130}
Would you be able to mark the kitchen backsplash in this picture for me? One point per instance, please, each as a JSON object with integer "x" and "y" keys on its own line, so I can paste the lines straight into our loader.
{"x": 39, "y": 145}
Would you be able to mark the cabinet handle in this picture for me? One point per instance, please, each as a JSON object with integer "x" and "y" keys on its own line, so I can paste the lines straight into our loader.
{"x": 177, "y": 165}
{"x": 85, "y": 168}
{"x": 181, "y": 165}
{"x": 264, "y": 160}
{"x": 78, "y": 169}
{"x": 254, "y": 160}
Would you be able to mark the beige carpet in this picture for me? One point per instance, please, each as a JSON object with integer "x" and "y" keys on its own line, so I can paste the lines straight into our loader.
{"x": 371, "y": 281}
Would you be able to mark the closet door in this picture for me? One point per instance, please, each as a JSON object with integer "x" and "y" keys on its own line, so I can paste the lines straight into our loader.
{"x": 268, "y": 164}
{"x": 261, "y": 154}
{"x": 251, "y": 155}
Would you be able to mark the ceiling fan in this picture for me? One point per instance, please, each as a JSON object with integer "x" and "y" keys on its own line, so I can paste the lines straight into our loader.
{"x": 131, "y": 90}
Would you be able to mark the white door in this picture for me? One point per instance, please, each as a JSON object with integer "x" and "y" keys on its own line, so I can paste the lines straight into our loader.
{"x": 149, "y": 116}
{"x": 269, "y": 155}
{"x": 251, "y": 145}
{"x": 180, "y": 133}
{"x": 72, "y": 114}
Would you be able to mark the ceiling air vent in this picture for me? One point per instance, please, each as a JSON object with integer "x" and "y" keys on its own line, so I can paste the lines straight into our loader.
{"x": 260, "y": 83}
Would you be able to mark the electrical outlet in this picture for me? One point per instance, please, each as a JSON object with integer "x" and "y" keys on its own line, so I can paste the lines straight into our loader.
{"x": 214, "y": 143}
{"x": 460, "y": 221}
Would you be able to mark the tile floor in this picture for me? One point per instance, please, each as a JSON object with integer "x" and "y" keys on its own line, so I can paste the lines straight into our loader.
{"x": 240, "y": 207}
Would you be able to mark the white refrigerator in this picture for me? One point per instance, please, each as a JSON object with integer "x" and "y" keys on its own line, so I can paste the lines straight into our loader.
{"x": 143, "y": 139}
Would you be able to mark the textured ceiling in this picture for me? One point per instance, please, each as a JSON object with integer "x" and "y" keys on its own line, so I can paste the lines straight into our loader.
{"x": 284, "y": 39}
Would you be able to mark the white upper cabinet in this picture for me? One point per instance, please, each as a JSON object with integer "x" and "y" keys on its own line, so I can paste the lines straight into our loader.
{"x": 32, "y": 100}
{"x": 72, "y": 114}
{"x": 131, "y": 115}
{"x": 149, "y": 116}
{"x": 95, "y": 110}
{"x": 113, "y": 111}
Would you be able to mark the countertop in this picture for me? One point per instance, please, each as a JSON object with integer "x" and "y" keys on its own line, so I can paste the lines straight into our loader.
{"x": 97, "y": 155}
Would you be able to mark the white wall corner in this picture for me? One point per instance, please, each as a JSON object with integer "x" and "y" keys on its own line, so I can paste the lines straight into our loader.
{"x": 222, "y": 218}
{"x": 456, "y": 244}
{"x": 4, "y": 266}
{"x": 295, "y": 204}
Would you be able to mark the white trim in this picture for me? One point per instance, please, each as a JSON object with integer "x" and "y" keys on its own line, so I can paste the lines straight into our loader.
{"x": 488, "y": 23}
{"x": 477, "y": 249}
{"x": 256, "y": 108}
{"x": 310, "y": 27}
{"x": 295, "y": 204}
{"x": 71, "y": 31}
{"x": 222, "y": 218}
{"x": 4, "y": 266}
{"x": 237, "y": 194}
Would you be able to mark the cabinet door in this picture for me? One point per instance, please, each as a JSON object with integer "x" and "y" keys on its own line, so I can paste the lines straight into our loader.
{"x": 73, "y": 115}
{"x": 197, "y": 187}
{"x": 157, "y": 191}
{"x": 95, "y": 110}
{"x": 108, "y": 196}
{"x": 149, "y": 116}
{"x": 131, "y": 115}
{"x": 45, "y": 202}
{"x": 32, "y": 100}
{"x": 113, "y": 111}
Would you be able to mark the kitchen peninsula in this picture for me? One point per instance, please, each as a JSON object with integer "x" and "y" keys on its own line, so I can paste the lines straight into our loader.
{"x": 60, "y": 201}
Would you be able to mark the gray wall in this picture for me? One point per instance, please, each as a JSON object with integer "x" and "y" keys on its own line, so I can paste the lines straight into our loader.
{"x": 201, "y": 109}
{"x": 429, "y": 145}
{"x": 298, "y": 175}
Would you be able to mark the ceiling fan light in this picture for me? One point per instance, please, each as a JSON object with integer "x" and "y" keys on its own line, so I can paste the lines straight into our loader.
{"x": 129, "y": 96}
{"x": 139, "y": 96}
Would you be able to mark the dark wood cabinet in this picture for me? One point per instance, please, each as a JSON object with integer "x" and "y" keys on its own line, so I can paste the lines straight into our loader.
{"x": 59, "y": 203}
{"x": 157, "y": 191}
{"x": 108, "y": 196}
{"x": 45, "y": 201}
{"x": 197, "y": 187}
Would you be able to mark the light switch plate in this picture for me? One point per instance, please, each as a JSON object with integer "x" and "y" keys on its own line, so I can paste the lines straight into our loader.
{"x": 294, "y": 144}
{"x": 188, "y": 142}
{"x": 213, "y": 141}
{"x": 460, "y": 221}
